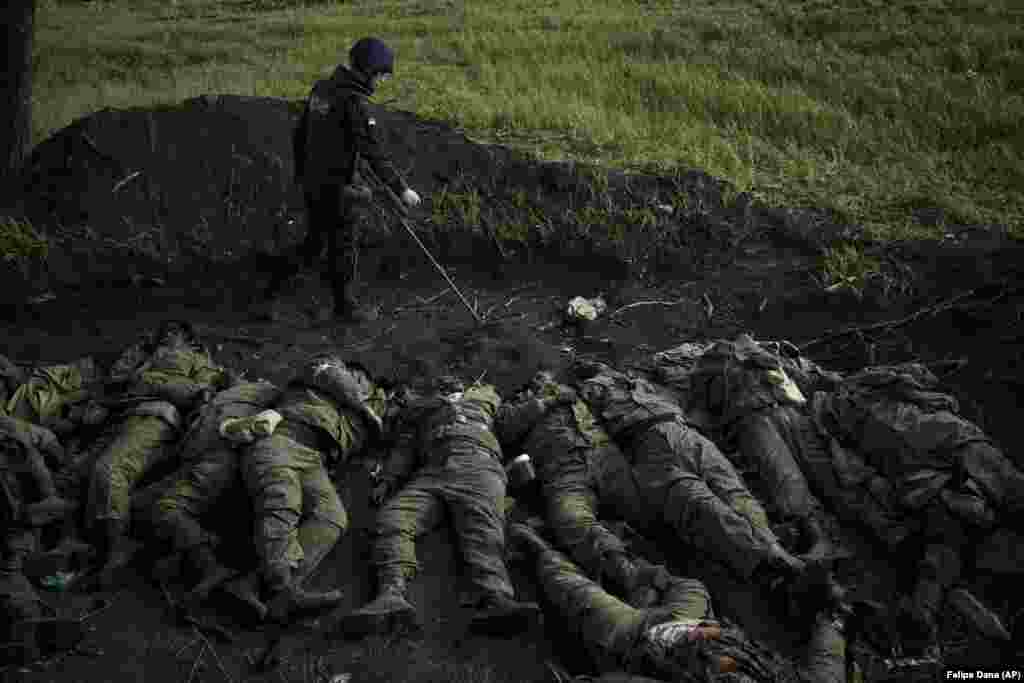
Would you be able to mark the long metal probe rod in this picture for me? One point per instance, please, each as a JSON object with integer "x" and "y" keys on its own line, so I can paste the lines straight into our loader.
{"x": 412, "y": 233}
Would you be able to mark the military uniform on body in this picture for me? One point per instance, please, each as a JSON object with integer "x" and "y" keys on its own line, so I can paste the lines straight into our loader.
{"x": 210, "y": 467}
{"x": 446, "y": 454}
{"x": 329, "y": 411}
{"x": 570, "y": 450}
{"x": 688, "y": 485}
{"x": 165, "y": 377}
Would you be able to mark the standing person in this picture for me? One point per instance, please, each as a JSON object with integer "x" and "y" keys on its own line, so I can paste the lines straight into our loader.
{"x": 335, "y": 130}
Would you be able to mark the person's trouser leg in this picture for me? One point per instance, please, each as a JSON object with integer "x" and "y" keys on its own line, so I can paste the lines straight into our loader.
{"x": 275, "y": 488}
{"x": 691, "y": 508}
{"x": 607, "y": 626}
{"x": 195, "y": 490}
{"x": 343, "y": 265}
{"x": 308, "y": 253}
{"x": 474, "y": 489}
{"x": 854, "y": 490}
{"x": 571, "y": 506}
{"x": 324, "y": 519}
{"x": 413, "y": 512}
{"x": 787, "y": 488}
{"x": 141, "y": 443}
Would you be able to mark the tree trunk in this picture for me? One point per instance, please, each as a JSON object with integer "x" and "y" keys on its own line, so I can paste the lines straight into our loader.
{"x": 16, "y": 109}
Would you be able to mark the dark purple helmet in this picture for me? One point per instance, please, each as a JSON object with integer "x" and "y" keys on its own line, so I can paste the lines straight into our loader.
{"x": 372, "y": 56}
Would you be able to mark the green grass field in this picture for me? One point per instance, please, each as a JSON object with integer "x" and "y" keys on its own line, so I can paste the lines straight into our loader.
{"x": 872, "y": 108}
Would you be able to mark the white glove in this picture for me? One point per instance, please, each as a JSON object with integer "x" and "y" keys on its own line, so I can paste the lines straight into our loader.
{"x": 410, "y": 197}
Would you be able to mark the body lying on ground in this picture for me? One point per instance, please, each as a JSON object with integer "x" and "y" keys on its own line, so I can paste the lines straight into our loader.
{"x": 888, "y": 438}
{"x": 675, "y": 639}
{"x": 446, "y": 455}
{"x": 330, "y": 412}
{"x": 730, "y": 389}
{"x": 683, "y": 482}
{"x": 164, "y": 378}
{"x": 884, "y": 447}
{"x": 210, "y": 469}
{"x": 569, "y": 449}
{"x": 27, "y": 502}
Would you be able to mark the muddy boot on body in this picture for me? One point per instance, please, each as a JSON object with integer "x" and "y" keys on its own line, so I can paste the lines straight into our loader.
{"x": 292, "y": 600}
{"x": 499, "y": 614}
{"x": 389, "y": 611}
{"x": 115, "y": 552}
{"x": 246, "y": 590}
{"x": 211, "y": 572}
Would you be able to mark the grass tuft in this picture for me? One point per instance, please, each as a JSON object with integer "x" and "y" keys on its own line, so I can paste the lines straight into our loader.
{"x": 20, "y": 243}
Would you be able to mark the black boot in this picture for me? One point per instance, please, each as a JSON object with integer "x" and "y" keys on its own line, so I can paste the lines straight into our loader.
{"x": 387, "y": 612}
{"x": 114, "y": 552}
{"x": 212, "y": 573}
{"x": 498, "y": 614}
{"x": 292, "y": 600}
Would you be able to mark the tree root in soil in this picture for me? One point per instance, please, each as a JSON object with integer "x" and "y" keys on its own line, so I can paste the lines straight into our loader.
{"x": 953, "y": 303}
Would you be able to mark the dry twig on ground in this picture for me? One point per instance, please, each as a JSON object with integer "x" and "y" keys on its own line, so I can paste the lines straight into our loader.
{"x": 619, "y": 310}
{"x": 927, "y": 311}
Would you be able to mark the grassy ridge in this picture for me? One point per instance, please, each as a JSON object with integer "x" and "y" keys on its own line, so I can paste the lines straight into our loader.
{"x": 881, "y": 111}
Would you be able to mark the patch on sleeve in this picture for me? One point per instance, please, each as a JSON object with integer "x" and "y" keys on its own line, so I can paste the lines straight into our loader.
{"x": 372, "y": 121}
{"x": 319, "y": 104}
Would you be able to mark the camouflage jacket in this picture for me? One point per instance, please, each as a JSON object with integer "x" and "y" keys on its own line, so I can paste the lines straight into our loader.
{"x": 622, "y": 402}
{"x": 431, "y": 429}
{"x": 241, "y": 400}
{"x": 335, "y": 131}
{"x": 897, "y": 419}
{"x": 347, "y": 430}
{"x": 179, "y": 375}
{"x": 47, "y": 390}
{"x": 552, "y": 437}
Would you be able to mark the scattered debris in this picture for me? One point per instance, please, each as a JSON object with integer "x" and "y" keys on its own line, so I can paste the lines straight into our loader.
{"x": 619, "y": 310}
{"x": 124, "y": 181}
{"x": 42, "y": 298}
{"x": 709, "y": 308}
{"x": 147, "y": 281}
{"x": 580, "y": 309}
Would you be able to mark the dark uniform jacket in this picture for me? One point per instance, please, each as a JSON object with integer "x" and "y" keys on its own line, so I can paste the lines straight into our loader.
{"x": 335, "y": 130}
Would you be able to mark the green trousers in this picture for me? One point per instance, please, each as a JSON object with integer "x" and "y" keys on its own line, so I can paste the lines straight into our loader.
{"x": 298, "y": 514}
{"x": 471, "y": 487}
